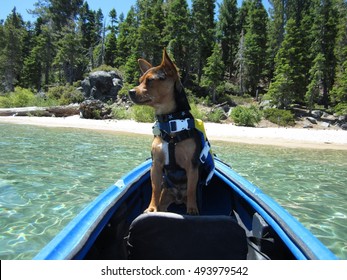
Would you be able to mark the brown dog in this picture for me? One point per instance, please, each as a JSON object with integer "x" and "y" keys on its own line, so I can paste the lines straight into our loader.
{"x": 179, "y": 147}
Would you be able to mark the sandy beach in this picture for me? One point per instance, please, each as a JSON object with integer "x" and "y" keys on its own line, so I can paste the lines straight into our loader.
{"x": 286, "y": 137}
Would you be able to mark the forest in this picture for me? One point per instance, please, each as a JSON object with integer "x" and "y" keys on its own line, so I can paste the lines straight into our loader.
{"x": 294, "y": 53}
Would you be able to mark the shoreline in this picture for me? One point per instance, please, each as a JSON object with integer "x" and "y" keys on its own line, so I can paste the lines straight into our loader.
{"x": 271, "y": 136}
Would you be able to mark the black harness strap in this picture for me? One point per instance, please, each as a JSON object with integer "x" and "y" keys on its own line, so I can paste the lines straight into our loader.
{"x": 172, "y": 170}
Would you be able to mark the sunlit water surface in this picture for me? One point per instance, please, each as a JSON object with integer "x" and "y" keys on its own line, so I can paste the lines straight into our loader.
{"x": 48, "y": 175}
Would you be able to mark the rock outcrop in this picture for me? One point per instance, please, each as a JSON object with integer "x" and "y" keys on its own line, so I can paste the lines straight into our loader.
{"x": 102, "y": 85}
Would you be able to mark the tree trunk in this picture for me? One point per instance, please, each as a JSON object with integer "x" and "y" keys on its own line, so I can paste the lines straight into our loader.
{"x": 57, "y": 111}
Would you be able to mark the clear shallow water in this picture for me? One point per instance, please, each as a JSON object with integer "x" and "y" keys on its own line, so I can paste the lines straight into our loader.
{"x": 48, "y": 175}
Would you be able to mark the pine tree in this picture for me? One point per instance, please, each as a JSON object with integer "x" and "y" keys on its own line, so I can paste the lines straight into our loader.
{"x": 228, "y": 34}
{"x": 255, "y": 46}
{"x": 288, "y": 73}
{"x": 11, "y": 51}
{"x": 339, "y": 92}
{"x": 213, "y": 72}
{"x": 316, "y": 77}
{"x": 203, "y": 32}
{"x": 176, "y": 34}
{"x": 276, "y": 32}
{"x": 150, "y": 30}
{"x": 324, "y": 30}
{"x": 63, "y": 11}
{"x": 34, "y": 65}
{"x": 70, "y": 60}
{"x": 127, "y": 38}
{"x": 111, "y": 40}
{"x": 87, "y": 28}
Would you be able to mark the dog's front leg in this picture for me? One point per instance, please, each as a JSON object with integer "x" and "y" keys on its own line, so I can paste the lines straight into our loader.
{"x": 158, "y": 161}
{"x": 192, "y": 182}
{"x": 156, "y": 178}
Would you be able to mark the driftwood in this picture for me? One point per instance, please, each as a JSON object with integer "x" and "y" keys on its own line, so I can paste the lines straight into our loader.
{"x": 56, "y": 111}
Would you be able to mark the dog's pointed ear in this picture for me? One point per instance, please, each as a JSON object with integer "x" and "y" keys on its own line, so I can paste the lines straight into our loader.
{"x": 144, "y": 65}
{"x": 169, "y": 67}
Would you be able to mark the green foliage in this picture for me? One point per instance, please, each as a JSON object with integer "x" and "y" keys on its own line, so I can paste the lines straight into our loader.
{"x": 279, "y": 117}
{"x": 213, "y": 71}
{"x": 215, "y": 115}
{"x": 143, "y": 113}
{"x": 176, "y": 33}
{"x": 339, "y": 92}
{"x": 5, "y": 101}
{"x": 19, "y": 98}
{"x": 65, "y": 94}
{"x": 246, "y": 116}
{"x": 12, "y": 45}
{"x": 67, "y": 40}
{"x": 120, "y": 113}
{"x": 315, "y": 86}
{"x": 203, "y": 33}
{"x": 228, "y": 33}
{"x": 288, "y": 82}
{"x": 341, "y": 109}
{"x": 255, "y": 45}
{"x": 106, "y": 68}
{"x": 197, "y": 112}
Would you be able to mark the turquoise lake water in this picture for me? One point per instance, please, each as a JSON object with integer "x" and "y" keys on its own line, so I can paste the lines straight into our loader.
{"x": 47, "y": 175}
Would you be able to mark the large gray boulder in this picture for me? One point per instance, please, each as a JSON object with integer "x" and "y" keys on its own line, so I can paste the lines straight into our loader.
{"x": 102, "y": 85}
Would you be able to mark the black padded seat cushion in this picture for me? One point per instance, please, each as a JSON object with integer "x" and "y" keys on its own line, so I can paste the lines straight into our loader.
{"x": 170, "y": 236}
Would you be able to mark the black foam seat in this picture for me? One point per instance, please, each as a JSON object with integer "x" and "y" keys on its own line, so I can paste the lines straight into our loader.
{"x": 170, "y": 236}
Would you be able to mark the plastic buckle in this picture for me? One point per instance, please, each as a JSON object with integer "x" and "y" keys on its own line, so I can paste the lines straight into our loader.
{"x": 178, "y": 125}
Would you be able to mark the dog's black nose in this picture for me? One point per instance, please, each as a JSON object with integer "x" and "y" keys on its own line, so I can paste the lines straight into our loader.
{"x": 132, "y": 93}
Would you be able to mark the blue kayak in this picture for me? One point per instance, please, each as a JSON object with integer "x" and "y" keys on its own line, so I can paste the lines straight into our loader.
{"x": 237, "y": 221}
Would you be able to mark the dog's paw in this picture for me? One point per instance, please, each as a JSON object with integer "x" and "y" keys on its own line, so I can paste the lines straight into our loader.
{"x": 193, "y": 211}
{"x": 151, "y": 209}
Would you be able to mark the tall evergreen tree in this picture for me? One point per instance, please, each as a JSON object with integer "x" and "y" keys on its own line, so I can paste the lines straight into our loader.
{"x": 339, "y": 92}
{"x": 38, "y": 64}
{"x": 87, "y": 26}
{"x": 228, "y": 33}
{"x": 63, "y": 11}
{"x": 177, "y": 36}
{"x": 316, "y": 78}
{"x": 150, "y": 30}
{"x": 276, "y": 32}
{"x": 288, "y": 79}
{"x": 126, "y": 42}
{"x": 203, "y": 31}
{"x": 255, "y": 45}
{"x": 111, "y": 40}
{"x": 324, "y": 30}
{"x": 11, "y": 51}
{"x": 70, "y": 61}
{"x": 213, "y": 72}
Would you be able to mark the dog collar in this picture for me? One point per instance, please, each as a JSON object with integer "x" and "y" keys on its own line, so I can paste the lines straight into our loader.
{"x": 174, "y": 116}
